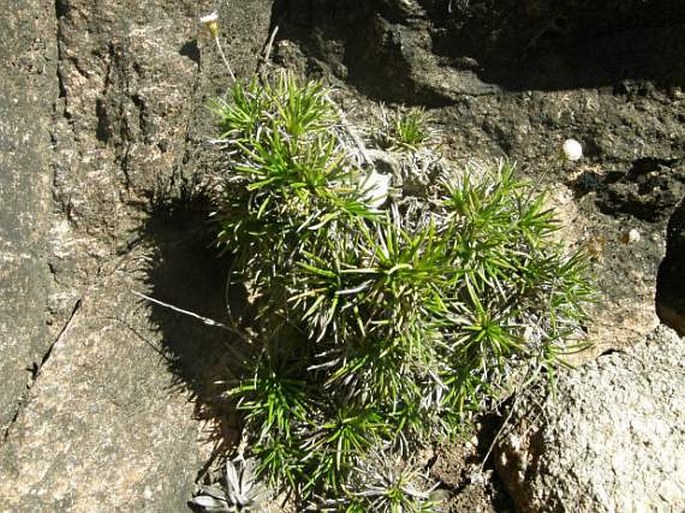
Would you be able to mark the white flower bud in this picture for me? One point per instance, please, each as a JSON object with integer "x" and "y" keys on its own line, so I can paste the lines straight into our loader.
{"x": 374, "y": 188}
{"x": 572, "y": 150}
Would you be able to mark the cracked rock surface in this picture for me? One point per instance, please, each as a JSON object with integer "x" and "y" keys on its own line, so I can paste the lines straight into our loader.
{"x": 102, "y": 120}
{"x": 27, "y": 80}
{"x": 100, "y": 430}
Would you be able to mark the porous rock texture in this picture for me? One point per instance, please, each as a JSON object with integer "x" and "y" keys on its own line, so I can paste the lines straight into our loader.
{"x": 609, "y": 439}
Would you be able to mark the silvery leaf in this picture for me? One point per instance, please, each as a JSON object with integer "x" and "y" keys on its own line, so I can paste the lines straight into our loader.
{"x": 232, "y": 481}
{"x": 214, "y": 491}
{"x": 247, "y": 477}
{"x": 209, "y": 503}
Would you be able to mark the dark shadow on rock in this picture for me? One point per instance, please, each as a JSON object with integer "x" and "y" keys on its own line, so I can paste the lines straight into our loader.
{"x": 670, "y": 289}
{"x": 649, "y": 190}
{"x": 383, "y": 46}
{"x": 190, "y": 50}
{"x": 187, "y": 272}
{"x": 356, "y": 43}
{"x": 524, "y": 45}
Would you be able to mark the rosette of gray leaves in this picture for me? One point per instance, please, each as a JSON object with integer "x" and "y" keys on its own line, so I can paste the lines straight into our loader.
{"x": 242, "y": 491}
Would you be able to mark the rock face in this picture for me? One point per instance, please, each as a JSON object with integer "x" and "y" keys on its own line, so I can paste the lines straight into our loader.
{"x": 27, "y": 79}
{"x": 609, "y": 440}
{"x": 101, "y": 430}
{"x": 472, "y": 62}
{"x": 435, "y": 52}
{"x": 102, "y": 122}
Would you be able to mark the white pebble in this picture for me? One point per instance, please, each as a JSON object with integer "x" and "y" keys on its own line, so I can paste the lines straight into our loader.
{"x": 633, "y": 236}
{"x": 572, "y": 150}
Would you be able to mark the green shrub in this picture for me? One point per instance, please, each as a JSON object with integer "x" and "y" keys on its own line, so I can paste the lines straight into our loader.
{"x": 372, "y": 333}
{"x": 405, "y": 130}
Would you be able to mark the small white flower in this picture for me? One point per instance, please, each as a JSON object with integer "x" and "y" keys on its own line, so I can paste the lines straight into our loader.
{"x": 211, "y": 21}
{"x": 572, "y": 150}
{"x": 212, "y": 17}
{"x": 374, "y": 188}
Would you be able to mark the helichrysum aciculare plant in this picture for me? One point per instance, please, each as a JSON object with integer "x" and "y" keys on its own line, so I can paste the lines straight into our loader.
{"x": 372, "y": 328}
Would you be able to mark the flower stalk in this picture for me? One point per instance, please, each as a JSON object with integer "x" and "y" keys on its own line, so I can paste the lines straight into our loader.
{"x": 211, "y": 21}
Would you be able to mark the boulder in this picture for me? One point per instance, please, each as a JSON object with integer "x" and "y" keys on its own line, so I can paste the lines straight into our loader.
{"x": 608, "y": 439}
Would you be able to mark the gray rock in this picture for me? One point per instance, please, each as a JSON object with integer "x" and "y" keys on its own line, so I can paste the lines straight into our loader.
{"x": 102, "y": 429}
{"x": 102, "y": 118}
{"x": 27, "y": 71}
{"x": 610, "y": 440}
{"x": 414, "y": 53}
{"x": 428, "y": 76}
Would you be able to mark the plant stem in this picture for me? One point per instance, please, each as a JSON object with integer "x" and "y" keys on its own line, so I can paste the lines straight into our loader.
{"x": 223, "y": 57}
